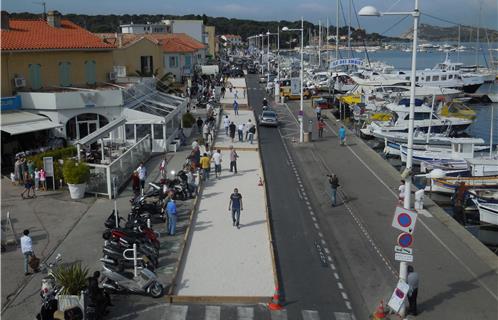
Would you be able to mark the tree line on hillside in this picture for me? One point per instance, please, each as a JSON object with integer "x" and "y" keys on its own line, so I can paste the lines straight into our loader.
{"x": 242, "y": 27}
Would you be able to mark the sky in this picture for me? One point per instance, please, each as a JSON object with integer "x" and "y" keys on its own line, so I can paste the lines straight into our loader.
{"x": 459, "y": 11}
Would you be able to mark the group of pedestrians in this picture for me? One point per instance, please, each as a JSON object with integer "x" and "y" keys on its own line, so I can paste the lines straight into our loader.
{"x": 245, "y": 131}
{"x": 28, "y": 175}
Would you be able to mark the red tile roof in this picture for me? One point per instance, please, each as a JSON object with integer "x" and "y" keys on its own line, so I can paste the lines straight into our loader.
{"x": 38, "y": 35}
{"x": 177, "y": 42}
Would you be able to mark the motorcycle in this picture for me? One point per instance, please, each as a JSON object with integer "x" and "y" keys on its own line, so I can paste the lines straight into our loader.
{"x": 146, "y": 281}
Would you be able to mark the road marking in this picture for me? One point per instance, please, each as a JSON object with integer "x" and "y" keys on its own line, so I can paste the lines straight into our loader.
{"x": 332, "y": 266}
{"x": 424, "y": 213}
{"x": 342, "y": 315}
{"x": 336, "y": 275}
{"x": 313, "y": 218}
{"x": 339, "y": 284}
{"x": 245, "y": 313}
{"x": 130, "y": 315}
{"x": 344, "y": 295}
{"x": 175, "y": 312}
{"x": 212, "y": 313}
{"x": 323, "y": 242}
{"x": 327, "y": 250}
{"x": 329, "y": 258}
{"x": 316, "y": 226}
{"x": 310, "y": 315}
{"x": 279, "y": 315}
{"x": 321, "y": 236}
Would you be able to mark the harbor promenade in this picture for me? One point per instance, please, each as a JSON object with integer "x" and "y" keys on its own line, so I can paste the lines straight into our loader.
{"x": 239, "y": 87}
{"x": 224, "y": 263}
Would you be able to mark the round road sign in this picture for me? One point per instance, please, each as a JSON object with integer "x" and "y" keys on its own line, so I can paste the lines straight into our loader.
{"x": 404, "y": 220}
{"x": 405, "y": 239}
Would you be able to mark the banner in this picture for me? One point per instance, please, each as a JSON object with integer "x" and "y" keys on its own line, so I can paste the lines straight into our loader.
{"x": 346, "y": 62}
{"x": 295, "y": 86}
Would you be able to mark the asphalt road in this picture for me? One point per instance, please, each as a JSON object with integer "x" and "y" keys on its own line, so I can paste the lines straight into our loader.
{"x": 309, "y": 273}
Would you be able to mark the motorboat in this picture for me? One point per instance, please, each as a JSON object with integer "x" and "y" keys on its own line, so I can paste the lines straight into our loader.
{"x": 461, "y": 149}
{"x": 488, "y": 211}
{"x": 456, "y": 109}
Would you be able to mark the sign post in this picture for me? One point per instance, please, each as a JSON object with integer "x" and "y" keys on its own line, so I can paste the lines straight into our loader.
{"x": 398, "y": 296}
{"x": 48, "y": 166}
{"x": 295, "y": 86}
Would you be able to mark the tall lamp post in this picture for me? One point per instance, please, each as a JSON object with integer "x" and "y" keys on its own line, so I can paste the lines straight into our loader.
{"x": 371, "y": 11}
{"x": 277, "y": 83}
{"x": 301, "y": 112}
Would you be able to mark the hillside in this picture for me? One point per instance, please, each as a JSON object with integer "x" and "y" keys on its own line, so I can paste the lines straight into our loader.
{"x": 467, "y": 34}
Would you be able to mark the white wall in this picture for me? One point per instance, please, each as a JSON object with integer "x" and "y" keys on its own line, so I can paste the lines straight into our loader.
{"x": 71, "y": 100}
{"x": 193, "y": 28}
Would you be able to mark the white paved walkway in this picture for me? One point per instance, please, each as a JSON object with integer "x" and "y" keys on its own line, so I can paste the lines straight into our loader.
{"x": 239, "y": 86}
{"x": 224, "y": 141}
{"x": 221, "y": 260}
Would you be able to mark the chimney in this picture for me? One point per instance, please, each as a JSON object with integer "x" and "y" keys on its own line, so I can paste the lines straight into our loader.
{"x": 5, "y": 20}
{"x": 54, "y": 19}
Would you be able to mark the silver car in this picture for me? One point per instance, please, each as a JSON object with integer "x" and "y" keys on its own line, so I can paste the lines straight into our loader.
{"x": 268, "y": 118}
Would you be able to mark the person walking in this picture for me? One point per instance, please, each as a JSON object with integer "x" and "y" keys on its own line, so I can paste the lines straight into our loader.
{"x": 236, "y": 107}
{"x": 240, "y": 131}
{"x": 17, "y": 170}
{"x": 28, "y": 184}
{"x": 248, "y": 126}
{"x": 236, "y": 94}
{"x": 162, "y": 167}
{"x": 191, "y": 185}
{"x": 199, "y": 124}
{"x": 135, "y": 183}
{"x": 205, "y": 131}
{"x": 232, "y": 128}
{"x": 412, "y": 280}
{"x": 235, "y": 206}
{"x": 27, "y": 250}
{"x": 321, "y": 126}
{"x": 318, "y": 112}
{"x": 172, "y": 216}
{"x": 31, "y": 169}
{"x": 334, "y": 184}
{"x": 216, "y": 158}
{"x": 223, "y": 90}
{"x": 43, "y": 179}
{"x": 401, "y": 193}
{"x": 142, "y": 175}
{"x": 205, "y": 166}
{"x": 37, "y": 179}
{"x": 342, "y": 135}
{"x": 226, "y": 124}
{"x": 252, "y": 132}
{"x": 233, "y": 160}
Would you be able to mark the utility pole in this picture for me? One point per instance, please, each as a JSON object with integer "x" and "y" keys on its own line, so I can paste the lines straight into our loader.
{"x": 44, "y": 4}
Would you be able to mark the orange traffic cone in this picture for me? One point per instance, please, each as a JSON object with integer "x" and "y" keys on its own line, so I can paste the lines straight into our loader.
{"x": 260, "y": 182}
{"x": 379, "y": 313}
{"x": 275, "y": 301}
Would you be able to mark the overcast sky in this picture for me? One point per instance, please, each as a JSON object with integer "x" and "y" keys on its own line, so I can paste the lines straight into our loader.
{"x": 460, "y": 11}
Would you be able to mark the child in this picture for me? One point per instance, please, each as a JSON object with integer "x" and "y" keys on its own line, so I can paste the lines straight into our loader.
{"x": 13, "y": 178}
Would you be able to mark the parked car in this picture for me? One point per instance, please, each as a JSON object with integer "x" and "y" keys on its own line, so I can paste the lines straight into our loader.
{"x": 251, "y": 69}
{"x": 268, "y": 118}
{"x": 236, "y": 73}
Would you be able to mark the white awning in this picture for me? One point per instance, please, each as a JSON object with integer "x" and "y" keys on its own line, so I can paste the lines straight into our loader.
{"x": 96, "y": 135}
{"x": 19, "y": 122}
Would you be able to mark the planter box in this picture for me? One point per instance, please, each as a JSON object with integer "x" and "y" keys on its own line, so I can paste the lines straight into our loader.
{"x": 66, "y": 301}
{"x": 77, "y": 191}
{"x": 187, "y": 132}
{"x": 172, "y": 147}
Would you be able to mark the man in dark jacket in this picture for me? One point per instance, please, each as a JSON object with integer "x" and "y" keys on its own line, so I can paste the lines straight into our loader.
{"x": 334, "y": 184}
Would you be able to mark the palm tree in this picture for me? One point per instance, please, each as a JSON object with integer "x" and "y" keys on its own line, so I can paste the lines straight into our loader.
{"x": 167, "y": 84}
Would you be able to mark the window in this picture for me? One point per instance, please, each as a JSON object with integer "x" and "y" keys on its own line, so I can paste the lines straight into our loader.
{"x": 80, "y": 126}
{"x": 130, "y": 131}
{"x": 416, "y": 79}
{"x": 173, "y": 62}
{"x": 450, "y": 76}
{"x": 435, "y": 78}
{"x": 35, "y": 76}
{"x": 443, "y": 78}
{"x": 90, "y": 72}
{"x": 64, "y": 74}
{"x": 143, "y": 130}
{"x": 188, "y": 61}
{"x": 158, "y": 132}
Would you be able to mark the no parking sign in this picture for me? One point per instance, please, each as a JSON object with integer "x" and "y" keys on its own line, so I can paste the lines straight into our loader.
{"x": 404, "y": 220}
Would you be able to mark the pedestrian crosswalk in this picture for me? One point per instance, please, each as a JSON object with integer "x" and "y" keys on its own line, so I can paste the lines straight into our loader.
{"x": 227, "y": 312}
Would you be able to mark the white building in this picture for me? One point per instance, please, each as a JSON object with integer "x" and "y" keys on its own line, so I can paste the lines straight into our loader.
{"x": 193, "y": 28}
{"x": 142, "y": 28}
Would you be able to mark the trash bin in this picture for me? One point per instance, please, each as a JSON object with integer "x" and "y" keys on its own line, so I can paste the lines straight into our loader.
{"x": 419, "y": 199}
{"x": 307, "y": 137}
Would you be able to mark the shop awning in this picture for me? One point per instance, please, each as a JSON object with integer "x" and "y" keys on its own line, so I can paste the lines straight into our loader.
{"x": 19, "y": 122}
{"x": 96, "y": 135}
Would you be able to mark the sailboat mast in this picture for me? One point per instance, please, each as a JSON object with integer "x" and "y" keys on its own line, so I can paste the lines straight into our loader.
{"x": 491, "y": 132}
{"x": 477, "y": 36}
{"x": 349, "y": 30}
{"x": 319, "y": 43}
{"x": 458, "y": 46}
{"x": 327, "y": 41}
{"x": 337, "y": 31}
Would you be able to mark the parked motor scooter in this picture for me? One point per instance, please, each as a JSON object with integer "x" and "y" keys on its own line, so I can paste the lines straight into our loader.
{"x": 145, "y": 282}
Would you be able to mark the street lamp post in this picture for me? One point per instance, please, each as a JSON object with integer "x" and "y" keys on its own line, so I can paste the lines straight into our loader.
{"x": 371, "y": 11}
{"x": 301, "y": 113}
{"x": 277, "y": 83}
{"x": 268, "y": 59}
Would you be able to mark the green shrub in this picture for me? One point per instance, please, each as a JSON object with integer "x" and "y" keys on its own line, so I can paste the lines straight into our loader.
{"x": 57, "y": 154}
{"x": 72, "y": 278}
{"x": 74, "y": 172}
{"x": 188, "y": 120}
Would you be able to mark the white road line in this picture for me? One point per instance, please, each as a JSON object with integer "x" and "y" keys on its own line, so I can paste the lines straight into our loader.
{"x": 312, "y": 213}
{"x": 279, "y": 315}
{"x": 310, "y": 315}
{"x": 316, "y": 226}
{"x": 323, "y": 242}
{"x": 175, "y": 312}
{"x": 313, "y": 218}
{"x": 320, "y": 234}
{"x": 212, "y": 313}
{"x": 332, "y": 266}
{"x": 329, "y": 258}
{"x": 130, "y": 315}
{"x": 424, "y": 213}
{"x": 336, "y": 275}
{"x": 342, "y": 316}
{"x": 339, "y": 284}
{"x": 344, "y": 295}
{"x": 327, "y": 250}
{"x": 348, "y": 305}
{"x": 245, "y": 313}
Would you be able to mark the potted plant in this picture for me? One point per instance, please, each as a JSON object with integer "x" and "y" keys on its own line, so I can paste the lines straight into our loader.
{"x": 76, "y": 175}
{"x": 73, "y": 280}
{"x": 188, "y": 122}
